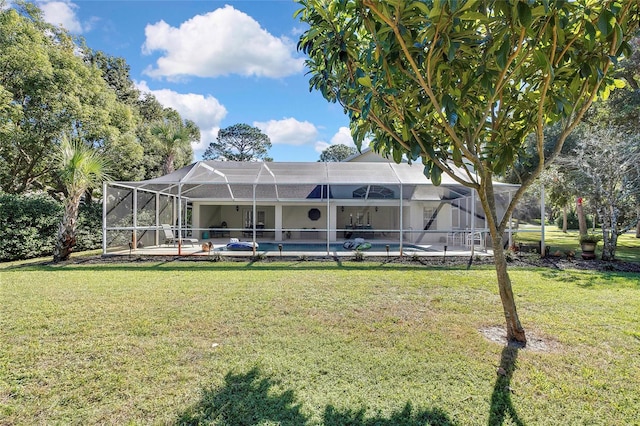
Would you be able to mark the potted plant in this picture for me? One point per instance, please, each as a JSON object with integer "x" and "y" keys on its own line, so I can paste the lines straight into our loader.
{"x": 588, "y": 243}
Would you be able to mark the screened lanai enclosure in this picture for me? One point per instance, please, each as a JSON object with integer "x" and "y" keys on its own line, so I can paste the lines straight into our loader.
{"x": 280, "y": 205}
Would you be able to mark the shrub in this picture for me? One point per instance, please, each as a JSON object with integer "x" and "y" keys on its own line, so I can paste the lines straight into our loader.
{"x": 572, "y": 220}
{"x": 89, "y": 230}
{"x": 30, "y": 226}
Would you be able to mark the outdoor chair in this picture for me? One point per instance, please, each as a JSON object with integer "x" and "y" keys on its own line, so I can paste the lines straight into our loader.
{"x": 170, "y": 238}
{"x": 222, "y": 232}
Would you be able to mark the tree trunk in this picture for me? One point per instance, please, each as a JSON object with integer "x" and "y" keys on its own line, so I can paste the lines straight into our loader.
{"x": 168, "y": 163}
{"x": 515, "y": 332}
{"x": 638, "y": 225}
{"x": 582, "y": 223}
{"x": 67, "y": 230}
{"x": 609, "y": 247}
{"x": 564, "y": 218}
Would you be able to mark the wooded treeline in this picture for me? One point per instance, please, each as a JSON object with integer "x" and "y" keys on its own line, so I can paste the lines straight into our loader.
{"x": 54, "y": 88}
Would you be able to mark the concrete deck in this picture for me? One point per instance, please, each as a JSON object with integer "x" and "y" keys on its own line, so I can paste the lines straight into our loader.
{"x": 218, "y": 247}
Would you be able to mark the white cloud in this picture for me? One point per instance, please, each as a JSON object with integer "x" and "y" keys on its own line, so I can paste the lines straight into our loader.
{"x": 225, "y": 41}
{"x": 206, "y": 111}
{"x": 342, "y": 136}
{"x": 61, "y": 13}
{"x": 321, "y": 146}
{"x": 289, "y": 131}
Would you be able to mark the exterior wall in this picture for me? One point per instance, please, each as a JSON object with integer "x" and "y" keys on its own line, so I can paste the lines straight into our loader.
{"x": 297, "y": 217}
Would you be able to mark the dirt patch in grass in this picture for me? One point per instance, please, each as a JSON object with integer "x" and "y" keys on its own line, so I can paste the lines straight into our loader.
{"x": 535, "y": 342}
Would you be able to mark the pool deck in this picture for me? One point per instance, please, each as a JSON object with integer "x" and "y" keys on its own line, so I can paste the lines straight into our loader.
{"x": 218, "y": 245}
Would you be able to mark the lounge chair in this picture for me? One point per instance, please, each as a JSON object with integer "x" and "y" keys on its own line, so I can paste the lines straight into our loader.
{"x": 170, "y": 238}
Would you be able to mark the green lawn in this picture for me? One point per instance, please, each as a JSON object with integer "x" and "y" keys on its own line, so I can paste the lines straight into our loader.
{"x": 312, "y": 343}
{"x": 628, "y": 247}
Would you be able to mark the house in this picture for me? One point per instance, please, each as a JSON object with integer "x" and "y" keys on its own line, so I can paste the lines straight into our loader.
{"x": 326, "y": 203}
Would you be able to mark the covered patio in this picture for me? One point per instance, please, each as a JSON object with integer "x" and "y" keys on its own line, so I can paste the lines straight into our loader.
{"x": 394, "y": 207}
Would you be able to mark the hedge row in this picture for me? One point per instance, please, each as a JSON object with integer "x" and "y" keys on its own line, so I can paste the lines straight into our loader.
{"x": 29, "y": 226}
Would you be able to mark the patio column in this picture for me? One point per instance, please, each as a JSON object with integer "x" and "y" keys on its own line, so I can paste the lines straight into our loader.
{"x": 510, "y": 223}
{"x": 104, "y": 218}
{"x": 134, "y": 236}
{"x": 329, "y": 215}
{"x": 401, "y": 218}
{"x": 278, "y": 222}
{"x": 253, "y": 219}
{"x": 179, "y": 220}
{"x": 542, "y": 216}
{"x": 157, "y": 219}
{"x": 473, "y": 221}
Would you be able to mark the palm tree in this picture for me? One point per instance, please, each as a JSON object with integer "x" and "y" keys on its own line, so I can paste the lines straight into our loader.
{"x": 81, "y": 168}
{"x": 173, "y": 137}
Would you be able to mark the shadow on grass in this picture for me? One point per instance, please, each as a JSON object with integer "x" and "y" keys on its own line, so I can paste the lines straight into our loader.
{"x": 406, "y": 417}
{"x": 248, "y": 399}
{"x": 501, "y": 404}
{"x": 245, "y": 399}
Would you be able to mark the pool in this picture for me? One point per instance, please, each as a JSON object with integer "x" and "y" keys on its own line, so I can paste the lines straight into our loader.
{"x": 335, "y": 247}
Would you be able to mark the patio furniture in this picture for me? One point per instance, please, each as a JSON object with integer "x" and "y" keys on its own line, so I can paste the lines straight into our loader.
{"x": 248, "y": 231}
{"x": 476, "y": 239}
{"x": 170, "y": 238}
{"x": 221, "y": 231}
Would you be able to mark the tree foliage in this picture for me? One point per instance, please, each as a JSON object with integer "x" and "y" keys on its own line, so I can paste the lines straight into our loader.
{"x": 605, "y": 166}
{"x": 460, "y": 84}
{"x": 337, "y": 152}
{"x": 239, "y": 142}
{"x": 174, "y": 138}
{"x": 80, "y": 167}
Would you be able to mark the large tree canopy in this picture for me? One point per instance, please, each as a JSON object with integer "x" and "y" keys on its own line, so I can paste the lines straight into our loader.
{"x": 460, "y": 84}
{"x": 239, "y": 142}
{"x": 48, "y": 91}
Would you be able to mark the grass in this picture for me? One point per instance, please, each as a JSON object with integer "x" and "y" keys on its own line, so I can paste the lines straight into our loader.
{"x": 311, "y": 343}
{"x": 628, "y": 248}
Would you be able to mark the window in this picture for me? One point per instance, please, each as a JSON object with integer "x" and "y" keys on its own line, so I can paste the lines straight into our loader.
{"x": 373, "y": 191}
{"x": 248, "y": 218}
{"x": 430, "y": 218}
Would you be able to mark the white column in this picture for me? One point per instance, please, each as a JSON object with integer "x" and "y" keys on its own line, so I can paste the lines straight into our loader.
{"x": 278, "y": 222}
{"x": 542, "y": 215}
{"x": 401, "y": 218}
{"x": 157, "y": 232}
{"x": 179, "y": 220}
{"x": 195, "y": 219}
{"x": 473, "y": 221}
{"x": 104, "y": 218}
{"x": 134, "y": 236}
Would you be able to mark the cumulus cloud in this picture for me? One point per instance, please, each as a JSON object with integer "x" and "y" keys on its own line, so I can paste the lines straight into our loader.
{"x": 225, "y": 41}
{"x": 206, "y": 111}
{"x": 289, "y": 131}
{"x": 342, "y": 136}
{"x": 62, "y": 13}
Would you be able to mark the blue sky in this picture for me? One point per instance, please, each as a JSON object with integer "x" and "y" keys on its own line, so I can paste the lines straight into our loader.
{"x": 217, "y": 63}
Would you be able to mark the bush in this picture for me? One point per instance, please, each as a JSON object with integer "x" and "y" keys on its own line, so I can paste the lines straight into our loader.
{"x": 30, "y": 226}
{"x": 572, "y": 221}
{"x": 89, "y": 230}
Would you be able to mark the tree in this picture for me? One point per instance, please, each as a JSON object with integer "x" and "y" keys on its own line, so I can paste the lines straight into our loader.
{"x": 239, "y": 142}
{"x": 337, "y": 152}
{"x": 174, "y": 137}
{"x": 606, "y": 167}
{"x": 460, "y": 84}
{"x": 49, "y": 91}
{"x": 80, "y": 168}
